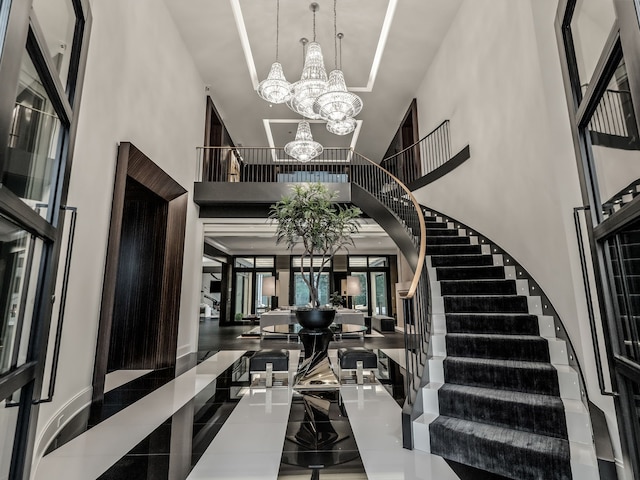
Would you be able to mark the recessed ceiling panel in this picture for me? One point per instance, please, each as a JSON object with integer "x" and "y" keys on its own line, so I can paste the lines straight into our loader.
{"x": 285, "y": 132}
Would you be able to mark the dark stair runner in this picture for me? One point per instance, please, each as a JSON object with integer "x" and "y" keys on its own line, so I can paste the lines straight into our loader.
{"x": 500, "y": 406}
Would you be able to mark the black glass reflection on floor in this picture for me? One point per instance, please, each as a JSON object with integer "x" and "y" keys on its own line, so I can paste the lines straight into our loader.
{"x": 114, "y": 401}
{"x": 466, "y": 472}
{"x": 172, "y": 450}
{"x": 319, "y": 441}
{"x": 391, "y": 375}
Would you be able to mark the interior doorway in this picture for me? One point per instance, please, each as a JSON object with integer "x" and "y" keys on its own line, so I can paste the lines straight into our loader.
{"x": 143, "y": 272}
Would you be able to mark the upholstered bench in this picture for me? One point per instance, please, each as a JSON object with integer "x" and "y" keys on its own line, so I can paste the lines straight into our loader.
{"x": 269, "y": 362}
{"x": 356, "y": 359}
{"x": 383, "y": 323}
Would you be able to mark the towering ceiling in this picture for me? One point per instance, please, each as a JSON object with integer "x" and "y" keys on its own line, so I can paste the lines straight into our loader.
{"x": 387, "y": 48}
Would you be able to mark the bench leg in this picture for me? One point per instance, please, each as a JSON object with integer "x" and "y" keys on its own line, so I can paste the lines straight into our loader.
{"x": 359, "y": 372}
{"x": 269, "y": 373}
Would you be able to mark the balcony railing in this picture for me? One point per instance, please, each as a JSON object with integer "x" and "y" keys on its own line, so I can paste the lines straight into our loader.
{"x": 423, "y": 157}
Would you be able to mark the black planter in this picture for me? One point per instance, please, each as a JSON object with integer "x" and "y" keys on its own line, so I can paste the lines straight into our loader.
{"x": 315, "y": 318}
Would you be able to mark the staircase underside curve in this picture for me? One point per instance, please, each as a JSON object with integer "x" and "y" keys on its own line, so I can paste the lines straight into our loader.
{"x": 396, "y": 229}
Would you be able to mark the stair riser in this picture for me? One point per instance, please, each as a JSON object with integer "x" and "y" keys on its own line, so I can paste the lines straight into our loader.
{"x": 461, "y": 260}
{"x": 484, "y": 287}
{"x": 526, "y": 380}
{"x": 453, "y": 249}
{"x": 441, "y": 232}
{"x": 534, "y": 350}
{"x": 449, "y": 240}
{"x": 470, "y": 273}
{"x": 479, "y": 304}
{"x": 516, "y": 325}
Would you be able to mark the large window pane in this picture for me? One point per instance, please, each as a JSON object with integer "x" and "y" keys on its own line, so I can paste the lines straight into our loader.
{"x": 379, "y": 293}
{"x": 5, "y": 7}
{"x": 244, "y": 288}
{"x": 57, "y": 19}
{"x": 263, "y": 296}
{"x": 301, "y": 290}
{"x": 625, "y": 264}
{"x": 613, "y": 133}
{"x": 34, "y": 140}
{"x": 590, "y": 26}
{"x": 8, "y": 422}
{"x": 19, "y": 262}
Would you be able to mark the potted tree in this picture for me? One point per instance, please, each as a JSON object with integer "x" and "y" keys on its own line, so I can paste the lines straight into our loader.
{"x": 308, "y": 217}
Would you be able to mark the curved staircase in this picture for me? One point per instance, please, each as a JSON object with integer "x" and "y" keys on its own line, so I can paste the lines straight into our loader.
{"x": 501, "y": 396}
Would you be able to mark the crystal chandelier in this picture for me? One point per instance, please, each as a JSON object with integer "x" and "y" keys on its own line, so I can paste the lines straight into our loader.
{"x": 313, "y": 81}
{"x": 275, "y": 89}
{"x": 303, "y": 148}
{"x": 337, "y": 104}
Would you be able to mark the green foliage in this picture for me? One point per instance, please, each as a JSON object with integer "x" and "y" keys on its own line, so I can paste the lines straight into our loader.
{"x": 308, "y": 217}
{"x": 336, "y": 299}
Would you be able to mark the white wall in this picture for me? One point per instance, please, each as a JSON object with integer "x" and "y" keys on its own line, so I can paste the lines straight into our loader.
{"x": 141, "y": 86}
{"x": 497, "y": 77}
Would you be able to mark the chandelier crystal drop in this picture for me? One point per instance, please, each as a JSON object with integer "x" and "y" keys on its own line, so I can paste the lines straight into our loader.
{"x": 342, "y": 127}
{"x": 312, "y": 83}
{"x": 275, "y": 88}
{"x": 337, "y": 103}
{"x": 303, "y": 148}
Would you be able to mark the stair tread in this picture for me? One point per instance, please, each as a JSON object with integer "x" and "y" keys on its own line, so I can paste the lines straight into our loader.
{"x": 497, "y": 336}
{"x": 504, "y": 395}
{"x": 491, "y": 314}
{"x": 516, "y": 438}
{"x": 504, "y": 363}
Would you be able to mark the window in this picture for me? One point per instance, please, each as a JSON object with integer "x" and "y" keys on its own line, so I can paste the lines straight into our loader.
{"x": 34, "y": 140}
{"x": 57, "y": 19}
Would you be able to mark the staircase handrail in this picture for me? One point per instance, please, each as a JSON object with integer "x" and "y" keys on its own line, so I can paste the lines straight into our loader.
{"x": 422, "y": 245}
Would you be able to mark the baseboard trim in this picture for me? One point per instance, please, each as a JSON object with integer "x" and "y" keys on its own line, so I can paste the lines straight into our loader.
{"x": 58, "y": 421}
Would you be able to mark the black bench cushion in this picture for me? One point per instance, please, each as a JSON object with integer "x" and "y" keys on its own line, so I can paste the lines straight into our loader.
{"x": 349, "y": 356}
{"x": 278, "y": 358}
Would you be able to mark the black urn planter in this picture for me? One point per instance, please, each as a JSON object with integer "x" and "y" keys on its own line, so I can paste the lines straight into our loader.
{"x": 315, "y": 318}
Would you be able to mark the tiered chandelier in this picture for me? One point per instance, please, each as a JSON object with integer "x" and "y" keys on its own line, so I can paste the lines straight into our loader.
{"x": 314, "y": 96}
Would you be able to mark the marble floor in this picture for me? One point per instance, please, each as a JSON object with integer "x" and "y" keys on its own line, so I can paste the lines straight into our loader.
{"x": 210, "y": 423}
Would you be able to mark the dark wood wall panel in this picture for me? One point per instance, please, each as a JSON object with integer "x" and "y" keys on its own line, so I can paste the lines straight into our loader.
{"x": 137, "y": 322}
{"x": 140, "y": 308}
{"x": 171, "y": 285}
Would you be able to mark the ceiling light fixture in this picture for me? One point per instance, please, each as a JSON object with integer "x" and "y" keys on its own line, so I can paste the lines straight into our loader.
{"x": 337, "y": 104}
{"x": 313, "y": 81}
{"x": 303, "y": 148}
{"x": 275, "y": 89}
